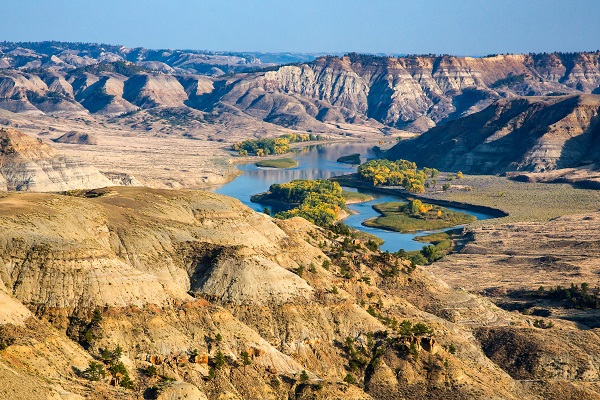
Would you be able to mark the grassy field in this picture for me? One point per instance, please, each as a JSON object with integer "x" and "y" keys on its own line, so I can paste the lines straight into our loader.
{"x": 441, "y": 239}
{"x": 278, "y": 163}
{"x": 350, "y": 159}
{"x": 356, "y": 197}
{"x": 523, "y": 201}
{"x": 396, "y": 217}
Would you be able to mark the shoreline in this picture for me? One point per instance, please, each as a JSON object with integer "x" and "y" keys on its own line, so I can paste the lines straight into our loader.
{"x": 234, "y": 160}
{"x": 349, "y": 180}
{"x": 296, "y": 145}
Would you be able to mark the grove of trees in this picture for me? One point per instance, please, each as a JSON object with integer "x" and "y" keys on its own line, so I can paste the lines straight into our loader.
{"x": 320, "y": 201}
{"x": 278, "y": 145}
{"x": 396, "y": 173}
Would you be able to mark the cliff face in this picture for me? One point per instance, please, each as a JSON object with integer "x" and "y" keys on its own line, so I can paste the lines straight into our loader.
{"x": 27, "y": 164}
{"x": 521, "y": 134}
{"x": 413, "y": 93}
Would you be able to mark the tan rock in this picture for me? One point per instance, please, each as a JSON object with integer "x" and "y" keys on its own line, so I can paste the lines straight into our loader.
{"x": 200, "y": 359}
{"x": 430, "y": 344}
{"x": 181, "y": 391}
{"x": 156, "y": 359}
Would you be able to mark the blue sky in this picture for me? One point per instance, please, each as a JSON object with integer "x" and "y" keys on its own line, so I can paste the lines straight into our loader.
{"x": 461, "y": 27}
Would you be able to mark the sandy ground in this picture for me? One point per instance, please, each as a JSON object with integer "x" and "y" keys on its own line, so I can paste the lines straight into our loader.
{"x": 158, "y": 154}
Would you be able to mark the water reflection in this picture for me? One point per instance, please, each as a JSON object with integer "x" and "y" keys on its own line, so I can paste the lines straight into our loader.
{"x": 314, "y": 162}
{"x": 320, "y": 162}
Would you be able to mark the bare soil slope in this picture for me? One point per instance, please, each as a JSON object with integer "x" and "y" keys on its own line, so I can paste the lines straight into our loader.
{"x": 187, "y": 281}
{"x": 522, "y": 134}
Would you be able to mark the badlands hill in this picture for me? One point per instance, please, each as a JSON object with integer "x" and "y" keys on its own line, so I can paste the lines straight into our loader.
{"x": 28, "y": 164}
{"x": 208, "y": 299}
{"x": 412, "y": 93}
{"x": 519, "y": 134}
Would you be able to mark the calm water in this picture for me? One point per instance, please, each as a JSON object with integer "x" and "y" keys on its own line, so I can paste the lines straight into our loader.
{"x": 319, "y": 162}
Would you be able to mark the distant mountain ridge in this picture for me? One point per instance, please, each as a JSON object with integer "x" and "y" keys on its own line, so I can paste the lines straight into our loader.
{"x": 69, "y": 55}
{"x": 413, "y": 93}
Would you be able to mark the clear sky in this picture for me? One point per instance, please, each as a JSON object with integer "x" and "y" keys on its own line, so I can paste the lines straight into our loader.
{"x": 461, "y": 27}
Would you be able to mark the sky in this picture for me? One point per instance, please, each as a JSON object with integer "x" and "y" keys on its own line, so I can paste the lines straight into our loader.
{"x": 459, "y": 27}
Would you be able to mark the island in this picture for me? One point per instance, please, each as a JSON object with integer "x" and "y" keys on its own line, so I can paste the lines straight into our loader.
{"x": 277, "y": 163}
{"x": 356, "y": 197}
{"x": 416, "y": 216}
{"x": 320, "y": 201}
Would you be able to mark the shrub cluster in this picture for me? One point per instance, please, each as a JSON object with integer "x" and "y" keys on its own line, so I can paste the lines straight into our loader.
{"x": 320, "y": 201}
{"x": 396, "y": 173}
{"x": 576, "y": 296}
{"x": 96, "y": 371}
{"x": 278, "y": 145}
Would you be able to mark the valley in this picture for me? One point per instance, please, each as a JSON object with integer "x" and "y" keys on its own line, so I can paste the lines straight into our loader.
{"x": 135, "y": 265}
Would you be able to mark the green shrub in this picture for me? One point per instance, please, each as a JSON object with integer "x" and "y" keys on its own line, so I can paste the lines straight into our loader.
{"x": 219, "y": 360}
{"x": 350, "y": 379}
{"x": 304, "y": 376}
{"x": 246, "y": 360}
{"x": 151, "y": 371}
{"x": 94, "y": 372}
{"x": 430, "y": 253}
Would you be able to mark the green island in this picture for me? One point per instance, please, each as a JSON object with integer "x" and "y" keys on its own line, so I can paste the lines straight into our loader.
{"x": 277, "y": 163}
{"x": 320, "y": 201}
{"x": 350, "y": 159}
{"x": 415, "y": 216}
{"x": 356, "y": 197}
{"x": 278, "y": 145}
{"x": 397, "y": 173}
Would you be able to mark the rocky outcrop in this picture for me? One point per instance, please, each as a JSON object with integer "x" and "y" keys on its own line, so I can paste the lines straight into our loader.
{"x": 73, "y": 137}
{"x": 28, "y": 164}
{"x": 529, "y": 354}
{"x": 520, "y": 134}
{"x": 180, "y": 391}
{"x": 415, "y": 92}
{"x": 101, "y": 94}
{"x": 111, "y": 272}
{"x": 147, "y": 91}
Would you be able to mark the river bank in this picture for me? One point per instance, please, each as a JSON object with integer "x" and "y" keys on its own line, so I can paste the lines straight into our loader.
{"x": 403, "y": 217}
{"x": 351, "y": 180}
{"x": 320, "y": 162}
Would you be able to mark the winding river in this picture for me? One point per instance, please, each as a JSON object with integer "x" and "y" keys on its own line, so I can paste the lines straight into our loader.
{"x": 319, "y": 162}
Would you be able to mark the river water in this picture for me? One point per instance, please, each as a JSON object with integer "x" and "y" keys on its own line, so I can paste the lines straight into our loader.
{"x": 319, "y": 162}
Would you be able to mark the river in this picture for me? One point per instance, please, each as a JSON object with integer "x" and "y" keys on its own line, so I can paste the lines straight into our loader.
{"x": 319, "y": 162}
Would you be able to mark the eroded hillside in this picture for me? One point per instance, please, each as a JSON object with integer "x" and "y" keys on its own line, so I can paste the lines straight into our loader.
{"x": 208, "y": 298}
{"x": 28, "y": 164}
{"x": 413, "y": 93}
{"x": 534, "y": 134}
